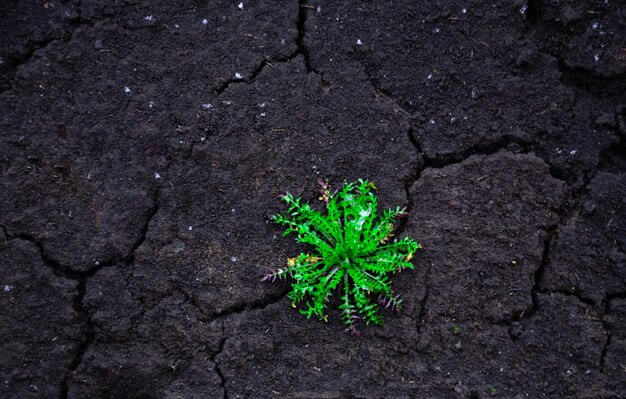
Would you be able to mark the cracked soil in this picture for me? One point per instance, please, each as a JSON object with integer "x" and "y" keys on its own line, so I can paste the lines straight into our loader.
{"x": 143, "y": 144}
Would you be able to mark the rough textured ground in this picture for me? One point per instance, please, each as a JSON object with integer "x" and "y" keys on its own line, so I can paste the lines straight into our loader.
{"x": 143, "y": 144}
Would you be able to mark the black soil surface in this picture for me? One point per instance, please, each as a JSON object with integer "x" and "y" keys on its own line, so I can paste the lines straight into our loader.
{"x": 143, "y": 144}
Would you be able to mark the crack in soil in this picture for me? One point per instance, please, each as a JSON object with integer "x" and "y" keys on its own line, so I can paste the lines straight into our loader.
{"x": 213, "y": 359}
{"x": 607, "y": 326}
{"x": 82, "y": 277}
{"x": 609, "y": 332}
{"x": 596, "y": 85}
{"x": 422, "y": 313}
{"x": 301, "y": 49}
{"x": 87, "y": 333}
{"x": 152, "y": 211}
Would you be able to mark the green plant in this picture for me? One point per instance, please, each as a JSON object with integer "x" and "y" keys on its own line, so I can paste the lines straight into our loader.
{"x": 354, "y": 250}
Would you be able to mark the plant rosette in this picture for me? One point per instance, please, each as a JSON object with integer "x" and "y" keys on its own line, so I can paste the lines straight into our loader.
{"x": 354, "y": 252}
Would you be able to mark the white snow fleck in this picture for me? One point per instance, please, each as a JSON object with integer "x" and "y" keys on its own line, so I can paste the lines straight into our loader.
{"x": 233, "y": 258}
{"x": 126, "y": 89}
{"x": 452, "y": 120}
{"x": 572, "y": 152}
{"x": 190, "y": 228}
{"x": 232, "y": 210}
{"x": 430, "y": 76}
{"x": 359, "y": 42}
{"x": 97, "y": 263}
{"x": 207, "y": 106}
{"x": 8, "y": 288}
{"x": 240, "y": 6}
{"x": 319, "y": 9}
{"x": 283, "y": 41}
{"x": 157, "y": 175}
{"x": 436, "y": 30}
{"x": 149, "y": 18}
{"x": 262, "y": 113}
{"x": 261, "y": 105}
{"x": 473, "y": 93}
{"x": 595, "y": 25}
{"x": 558, "y": 150}
{"x": 151, "y": 104}
{"x": 176, "y": 26}
{"x": 596, "y": 57}
{"x": 522, "y": 9}
{"x": 464, "y": 11}
{"x": 238, "y": 75}
{"x": 205, "y": 21}
{"x": 432, "y": 121}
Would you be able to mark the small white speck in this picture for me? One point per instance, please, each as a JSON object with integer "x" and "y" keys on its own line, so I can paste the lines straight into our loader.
{"x": 522, "y": 9}
{"x": 233, "y": 259}
{"x": 359, "y": 42}
{"x": 238, "y": 75}
{"x": 464, "y": 11}
{"x": 473, "y": 93}
{"x": 319, "y": 9}
{"x": 149, "y": 18}
{"x": 432, "y": 121}
{"x": 205, "y": 21}
{"x": 595, "y": 25}
{"x": 176, "y": 26}
{"x": 157, "y": 175}
{"x": 232, "y": 210}
{"x": 126, "y": 89}
{"x": 240, "y": 6}
{"x": 262, "y": 113}
{"x": 283, "y": 41}
{"x": 8, "y": 288}
{"x": 261, "y": 105}
{"x": 436, "y": 30}
{"x": 558, "y": 150}
{"x": 430, "y": 76}
{"x": 190, "y": 228}
{"x": 572, "y": 152}
{"x": 207, "y": 106}
{"x": 151, "y": 104}
{"x": 596, "y": 57}
{"x": 97, "y": 263}
{"x": 452, "y": 120}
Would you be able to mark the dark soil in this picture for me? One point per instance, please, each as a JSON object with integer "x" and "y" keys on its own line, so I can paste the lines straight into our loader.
{"x": 143, "y": 145}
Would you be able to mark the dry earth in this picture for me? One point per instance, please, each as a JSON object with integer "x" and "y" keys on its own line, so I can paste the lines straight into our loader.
{"x": 143, "y": 144}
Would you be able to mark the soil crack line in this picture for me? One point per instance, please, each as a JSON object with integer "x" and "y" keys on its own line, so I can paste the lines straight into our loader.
{"x": 87, "y": 333}
{"x": 301, "y": 49}
{"x": 213, "y": 359}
